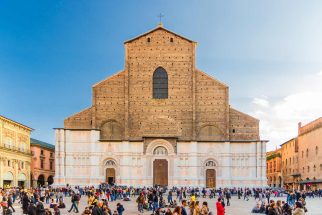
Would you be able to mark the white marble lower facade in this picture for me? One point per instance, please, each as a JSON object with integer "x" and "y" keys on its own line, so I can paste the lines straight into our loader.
{"x": 82, "y": 159}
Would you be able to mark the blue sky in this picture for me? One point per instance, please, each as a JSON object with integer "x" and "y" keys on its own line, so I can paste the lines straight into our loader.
{"x": 268, "y": 52}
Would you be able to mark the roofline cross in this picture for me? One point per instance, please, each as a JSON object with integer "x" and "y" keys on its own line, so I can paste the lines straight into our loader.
{"x": 160, "y": 17}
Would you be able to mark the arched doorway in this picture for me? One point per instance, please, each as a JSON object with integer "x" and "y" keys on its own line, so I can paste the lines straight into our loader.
{"x": 210, "y": 174}
{"x": 110, "y": 176}
{"x": 110, "y": 171}
{"x": 160, "y": 172}
{"x": 7, "y": 179}
{"x": 50, "y": 180}
{"x": 41, "y": 180}
{"x": 22, "y": 180}
{"x": 160, "y": 167}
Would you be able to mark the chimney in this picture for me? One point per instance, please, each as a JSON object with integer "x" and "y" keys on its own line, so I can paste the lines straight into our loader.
{"x": 299, "y": 125}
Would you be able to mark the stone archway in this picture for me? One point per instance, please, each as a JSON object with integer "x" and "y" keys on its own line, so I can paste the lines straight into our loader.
{"x": 110, "y": 168}
{"x": 50, "y": 180}
{"x": 41, "y": 180}
{"x": 110, "y": 176}
{"x": 210, "y": 166}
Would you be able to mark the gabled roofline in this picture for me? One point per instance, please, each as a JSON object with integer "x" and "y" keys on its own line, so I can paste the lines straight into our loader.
{"x": 212, "y": 77}
{"x": 17, "y": 123}
{"x": 115, "y": 74}
{"x": 160, "y": 26}
{"x": 245, "y": 114}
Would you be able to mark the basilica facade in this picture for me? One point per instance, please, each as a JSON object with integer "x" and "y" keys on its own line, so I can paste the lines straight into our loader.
{"x": 160, "y": 121}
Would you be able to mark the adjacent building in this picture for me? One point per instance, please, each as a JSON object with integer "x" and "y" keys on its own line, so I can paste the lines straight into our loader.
{"x": 160, "y": 121}
{"x": 43, "y": 163}
{"x": 301, "y": 158}
{"x": 15, "y": 156}
{"x": 290, "y": 164}
{"x": 274, "y": 168}
{"x": 310, "y": 154}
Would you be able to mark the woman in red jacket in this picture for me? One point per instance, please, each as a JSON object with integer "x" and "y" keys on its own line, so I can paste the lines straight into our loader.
{"x": 220, "y": 207}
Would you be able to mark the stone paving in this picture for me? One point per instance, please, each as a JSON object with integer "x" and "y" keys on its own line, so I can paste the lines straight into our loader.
{"x": 238, "y": 206}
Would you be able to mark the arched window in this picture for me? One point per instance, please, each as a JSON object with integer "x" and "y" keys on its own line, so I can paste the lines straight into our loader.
{"x": 160, "y": 150}
{"x": 316, "y": 150}
{"x": 307, "y": 153}
{"x": 210, "y": 163}
{"x": 160, "y": 84}
{"x": 110, "y": 163}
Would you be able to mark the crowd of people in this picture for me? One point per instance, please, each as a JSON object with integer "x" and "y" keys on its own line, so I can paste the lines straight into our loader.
{"x": 154, "y": 200}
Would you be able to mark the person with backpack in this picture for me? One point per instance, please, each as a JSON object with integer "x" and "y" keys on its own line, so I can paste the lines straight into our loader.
{"x": 74, "y": 200}
{"x": 120, "y": 208}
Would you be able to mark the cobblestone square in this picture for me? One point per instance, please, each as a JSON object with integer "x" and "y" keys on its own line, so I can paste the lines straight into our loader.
{"x": 237, "y": 207}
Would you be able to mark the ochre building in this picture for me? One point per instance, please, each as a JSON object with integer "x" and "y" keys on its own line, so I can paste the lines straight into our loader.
{"x": 15, "y": 154}
{"x": 301, "y": 158}
{"x": 43, "y": 163}
{"x": 160, "y": 121}
{"x": 310, "y": 155}
{"x": 274, "y": 168}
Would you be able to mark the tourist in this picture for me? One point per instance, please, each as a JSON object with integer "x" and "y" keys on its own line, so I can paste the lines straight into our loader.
{"x": 87, "y": 211}
{"x": 97, "y": 209}
{"x": 204, "y": 209}
{"x": 228, "y": 197}
{"x": 10, "y": 202}
{"x": 74, "y": 200}
{"x": 40, "y": 210}
{"x": 119, "y": 208}
{"x": 220, "y": 207}
{"x": 168, "y": 212}
{"x": 56, "y": 210}
{"x": 183, "y": 209}
{"x": 298, "y": 209}
{"x": 140, "y": 201}
{"x": 177, "y": 211}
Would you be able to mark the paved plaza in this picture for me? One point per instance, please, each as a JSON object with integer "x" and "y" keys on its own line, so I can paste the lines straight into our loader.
{"x": 237, "y": 207}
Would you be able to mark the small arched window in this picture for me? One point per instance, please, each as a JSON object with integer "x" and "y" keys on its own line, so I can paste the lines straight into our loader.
{"x": 160, "y": 150}
{"x": 307, "y": 153}
{"x": 160, "y": 84}
{"x": 316, "y": 150}
{"x": 210, "y": 163}
{"x": 110, "y": 163}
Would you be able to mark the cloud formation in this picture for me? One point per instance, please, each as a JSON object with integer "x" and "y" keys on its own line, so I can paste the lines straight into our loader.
{"x": 279, "y": 116}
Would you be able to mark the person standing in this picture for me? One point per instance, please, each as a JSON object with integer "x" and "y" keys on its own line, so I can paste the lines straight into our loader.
{"x": 228, "y": 197}
{"x": 183, "y": 209}
{"x": 220, "y": 207}
{"x": 120, "y": 208}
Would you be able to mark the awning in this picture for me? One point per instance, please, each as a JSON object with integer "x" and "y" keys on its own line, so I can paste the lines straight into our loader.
{"x": 22, "y": 177}
{"x": 8, "y": 176}
{"x": 311, "y": 181}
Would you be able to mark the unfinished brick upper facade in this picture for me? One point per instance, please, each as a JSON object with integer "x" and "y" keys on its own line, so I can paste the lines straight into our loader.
{"x": 197, "y": 107}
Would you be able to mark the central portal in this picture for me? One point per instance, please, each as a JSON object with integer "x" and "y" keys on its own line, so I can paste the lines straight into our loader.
{"x": 110, "y": 176}
{"x": 160, "y": 172}
{"x": 210, "y": 178}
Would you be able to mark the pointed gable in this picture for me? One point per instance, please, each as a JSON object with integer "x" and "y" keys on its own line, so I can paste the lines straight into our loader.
{"x": 158, "y": 28}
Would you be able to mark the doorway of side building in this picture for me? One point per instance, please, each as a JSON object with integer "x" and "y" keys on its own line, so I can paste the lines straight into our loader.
{"x": 210, "y": 178}
{"x": 110, "y": 176}
{"x": 160, "y": 172}
{"x": 41, "y": 180}
{"x": 50, "y": 180}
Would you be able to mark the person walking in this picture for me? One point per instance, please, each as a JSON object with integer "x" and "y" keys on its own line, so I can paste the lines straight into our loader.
{"x": 74, "y": 200}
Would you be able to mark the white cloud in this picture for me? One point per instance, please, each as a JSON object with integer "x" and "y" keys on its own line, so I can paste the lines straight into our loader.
{"x": 279, "y": 117}
{"x": 261, "y": 102}
{"x": 320, "y": 73}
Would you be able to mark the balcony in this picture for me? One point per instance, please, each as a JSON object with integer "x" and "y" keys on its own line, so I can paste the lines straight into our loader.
{"x": 15, "y": 149}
